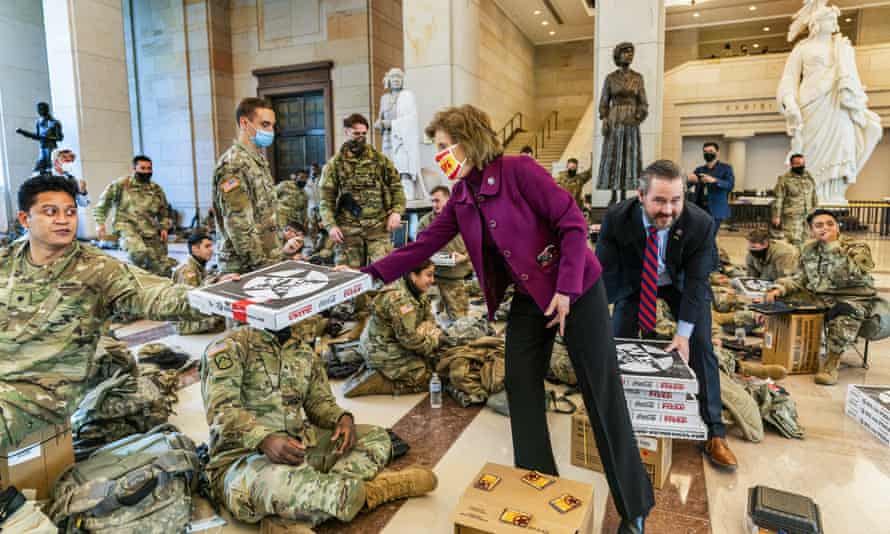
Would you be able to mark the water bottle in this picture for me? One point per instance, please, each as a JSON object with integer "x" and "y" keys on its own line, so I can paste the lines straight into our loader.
{"x": 435, "y": 391}
{"x": 740, "y": 336}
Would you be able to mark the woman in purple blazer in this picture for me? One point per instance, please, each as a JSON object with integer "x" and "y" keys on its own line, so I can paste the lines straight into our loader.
{"x": 521, "y": 228}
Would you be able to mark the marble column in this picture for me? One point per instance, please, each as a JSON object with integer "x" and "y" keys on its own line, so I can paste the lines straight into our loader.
{"x": 88, "y": 81}
{"x": 642, "y": 23}
{"x": 738, "y": 158}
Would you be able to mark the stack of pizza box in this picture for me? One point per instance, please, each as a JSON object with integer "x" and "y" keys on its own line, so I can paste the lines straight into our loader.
{"x": 870, "y": 407}
{"x": 660, "y": 389}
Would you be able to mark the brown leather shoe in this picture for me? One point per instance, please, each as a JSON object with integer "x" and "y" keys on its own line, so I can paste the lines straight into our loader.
{"x": 717, "y": 451}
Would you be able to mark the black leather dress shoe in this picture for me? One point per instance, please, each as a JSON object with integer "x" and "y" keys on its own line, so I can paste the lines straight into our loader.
{"x": 631, "y": 527}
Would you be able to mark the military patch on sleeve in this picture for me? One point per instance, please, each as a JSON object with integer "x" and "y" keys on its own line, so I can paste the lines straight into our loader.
{"x": 217, "y": 347}
{"x": 230, "y": 184}
{"x": 189, "y": 274}
{"x": 406, "y": 308}
{"x": 223, "y": 361}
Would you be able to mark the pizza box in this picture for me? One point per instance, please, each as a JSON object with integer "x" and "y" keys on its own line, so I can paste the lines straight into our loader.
{"x": 443, "y": 259}
{"x": 280, "y": 295}
{"x": 644, "y": 421}
{"x": 644, "y": 364}
{"x": 506, "y": 504}
{"x": 753, "y": 288}
{"x": 870, "y": 407}
{"x": 688, "y": 406}
{"x": 37, "y": 461}
{"x": 654, "y": 394}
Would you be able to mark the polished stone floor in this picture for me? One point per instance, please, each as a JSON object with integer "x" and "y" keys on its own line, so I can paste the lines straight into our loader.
{"x": 838, "y": 464}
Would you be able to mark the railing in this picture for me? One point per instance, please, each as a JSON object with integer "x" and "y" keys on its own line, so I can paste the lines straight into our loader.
{"x": 509, "y": 131}
{"x": 551, "y": 123}
{"x": 856, "y": 216}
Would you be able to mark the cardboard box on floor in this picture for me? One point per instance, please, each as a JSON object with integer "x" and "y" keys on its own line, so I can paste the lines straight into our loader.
{"x": 793, "y": 341}
{"x": 656, "y": 453}
{"x": 479, "y": 511}
{"x": 38, "y": 461}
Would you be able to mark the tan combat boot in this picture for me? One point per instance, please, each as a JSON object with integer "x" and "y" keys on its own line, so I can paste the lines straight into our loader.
{"x": 278, "y": 525}
{"x": 722, "y": 318}
{"x": 776, "y": 372}
{"x": 367, "y": 382}
{"x": 827, "y": 375}
{"x": 390, "y": 485}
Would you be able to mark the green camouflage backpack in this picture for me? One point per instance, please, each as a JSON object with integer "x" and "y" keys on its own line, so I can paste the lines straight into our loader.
{"x": 561, "y": 369}
{"x": 140, "y": 484}
{"x": 118, "y": 407}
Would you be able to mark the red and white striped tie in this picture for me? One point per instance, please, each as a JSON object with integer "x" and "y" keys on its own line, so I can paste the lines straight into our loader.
{"x": 649, "y": 288}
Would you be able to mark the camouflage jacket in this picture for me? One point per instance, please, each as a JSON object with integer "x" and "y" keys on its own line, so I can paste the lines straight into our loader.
{"x": 371, "y": 179}
{"x": 253, "y": 386}
{"x": 780, "y": 262}
{"x": 293, "y": 204}
{"x": 245, "y": 205}
{"x": 52, "y": 318}
{"x": 394, "y": 326}
{"x": 795, "y": 194}
{"x": 193, "y": 274}
{"x": 456, "y": 245}
{"x": 840, "y": 267}
{"x": 575, "y": 184}
{"x": 134, "y": 207}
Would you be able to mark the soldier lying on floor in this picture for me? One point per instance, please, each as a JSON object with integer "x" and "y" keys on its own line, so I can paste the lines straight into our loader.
{"x": 56, "y": 296}
{"x": 279, "y": 443}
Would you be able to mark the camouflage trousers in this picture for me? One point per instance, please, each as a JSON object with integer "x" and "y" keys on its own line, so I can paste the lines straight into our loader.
{"x": 254, "y": 487}
{"x": 454, "y": 297}
{"x": 360, "y": 247}
{"x": 209, "y": 325}
{"x": 843, "y": 319}
{"x": 726, "y": 299}
{"x": 149, "y": 253}
{"x": 408, "y": 372}
{"x": 26, "y": 408}
{"x": 794, "y": 225}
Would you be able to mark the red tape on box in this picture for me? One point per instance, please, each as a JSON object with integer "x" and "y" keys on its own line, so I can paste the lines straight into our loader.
{"x": 239, "y": 310}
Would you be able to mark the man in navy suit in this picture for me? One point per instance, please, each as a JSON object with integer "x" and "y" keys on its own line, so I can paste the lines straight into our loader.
{"x": 710, "y": 185}
{"x": 654, "y": 247}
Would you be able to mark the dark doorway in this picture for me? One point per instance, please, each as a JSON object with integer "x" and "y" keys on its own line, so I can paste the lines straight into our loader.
{"x": 300, "y": 136}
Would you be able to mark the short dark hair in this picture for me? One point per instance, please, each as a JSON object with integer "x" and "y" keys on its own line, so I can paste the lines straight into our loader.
{"x": 355, "y": 118}
{"x": 820, "y": 211}
{"x": 296, "y": 226}
{"x": 425, "y": 264}
{"x": 43, "y": 183}
{"x": 572, "y": 160}
{"x": 441, "y": 189}
{"x": 140, "y": 157}
{"x": 248, "y": 106}
{"x": 713, "y": 144}
{"x": 196, "y": 239}
{"x": 526, "y": 150}
{"x": 758, "y": 235}
{"x": 794, "y": 156}
{"x": 662, "y": 168}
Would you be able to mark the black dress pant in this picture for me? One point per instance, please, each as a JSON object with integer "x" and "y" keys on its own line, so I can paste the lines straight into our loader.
{"x": 588, "y": 338}
{"x": 701, "y": 352}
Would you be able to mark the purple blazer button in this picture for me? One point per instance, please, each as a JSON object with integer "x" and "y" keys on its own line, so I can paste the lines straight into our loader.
{"x": 492, "y": 224}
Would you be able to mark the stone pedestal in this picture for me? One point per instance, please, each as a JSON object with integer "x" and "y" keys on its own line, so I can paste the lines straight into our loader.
{"x": 88, "y": 82}
{"x": 642, "y": 23}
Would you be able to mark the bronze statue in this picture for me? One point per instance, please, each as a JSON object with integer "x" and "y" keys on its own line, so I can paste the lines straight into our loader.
{"x": 623, "y": 107}
{"x": 48, "y": 131}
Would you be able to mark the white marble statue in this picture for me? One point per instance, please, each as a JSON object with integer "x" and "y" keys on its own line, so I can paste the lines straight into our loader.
{"x": 400, "y": 131}
{"x": 824, "y": 103}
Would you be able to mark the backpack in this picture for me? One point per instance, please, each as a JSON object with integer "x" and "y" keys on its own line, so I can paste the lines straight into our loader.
{"x": 140, "y": 484}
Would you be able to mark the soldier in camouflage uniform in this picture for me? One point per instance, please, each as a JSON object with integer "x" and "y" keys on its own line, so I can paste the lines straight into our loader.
{"x": 795, "y": 197}
{"x": 138, "y": 213}
{"x": 361, "y": 200}
{"x": 56, "y": 297}
{"x": 244, "y": 200}
{"x": 573, "y": 181}
{"x": 400, "y": 341}
{"x": 293, "y": 204}
{"x": 834, "y": 272}
{"x": 769, "y": 259}
{"x": 450, "y": 279}
{"x": 193, "y": 272}
{"x": 279, "y": 443}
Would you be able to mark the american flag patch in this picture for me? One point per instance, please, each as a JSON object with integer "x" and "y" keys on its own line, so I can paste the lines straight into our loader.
{"x": 230, "y": 184}
{"x": 407, "y": 308}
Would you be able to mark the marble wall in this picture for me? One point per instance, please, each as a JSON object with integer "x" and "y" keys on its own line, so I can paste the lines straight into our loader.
{"x": 24, "y": 81}
{"x": 564, "y": 80}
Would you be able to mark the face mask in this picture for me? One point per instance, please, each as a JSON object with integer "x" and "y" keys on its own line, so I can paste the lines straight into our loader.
{"x": 710, "y": 156}
{"x": 356, "y": 146}
{"x": 301, "y": 184}
{"x": 68, "y": 167}
{"x": 759, "y": 254}
{"x": 143, "y": 176}
{"x": 263, "y": 138}
{"x": 798, "y": 170}
{"x": 449, "y": 164}
{"x": 573, "y": 172}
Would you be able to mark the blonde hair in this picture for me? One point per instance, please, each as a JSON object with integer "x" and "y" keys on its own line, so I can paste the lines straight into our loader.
{"x": 471, "y": 128}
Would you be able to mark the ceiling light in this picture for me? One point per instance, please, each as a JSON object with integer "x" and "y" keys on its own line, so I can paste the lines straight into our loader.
{"x": 848, "y": 19}
{"x": 544, "y": 23}
{"x": 552, "y": 32}
{"x": 537, "y": 12}
{"x": 752, "y": 8}
{"x": 696, "y": 14}
{"x": 755, "y": 45}
{"x": 766, "y": 28}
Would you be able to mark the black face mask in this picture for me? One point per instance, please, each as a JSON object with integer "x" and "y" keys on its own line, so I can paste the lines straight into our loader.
{"x": 573, "y": 172}
{"x": 143, "y": 176}
{"x": 759, "y": 254}
{"x": 301, "y": 184}
{"x": 710, "y": 156}
{"x": 356, "y": 146}
{"x": 798, "y": 170}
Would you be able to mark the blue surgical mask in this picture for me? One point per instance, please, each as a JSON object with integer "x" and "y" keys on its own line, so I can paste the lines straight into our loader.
{"x": 263, "y": 138}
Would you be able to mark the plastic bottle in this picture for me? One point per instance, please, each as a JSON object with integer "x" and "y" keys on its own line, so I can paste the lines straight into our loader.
{"x": 435, "y": 391}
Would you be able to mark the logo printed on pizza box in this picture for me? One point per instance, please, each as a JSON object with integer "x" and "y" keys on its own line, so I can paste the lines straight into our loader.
{"x": 679, "y": 419}
{"x": 660, "y": 394}
{"x": 327, "y": 302}
{"x": 671, "y": 386}
{"x": 673, "y": 406}
{"x": 352, "y": 291}
{"x": 300, "y": 312}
